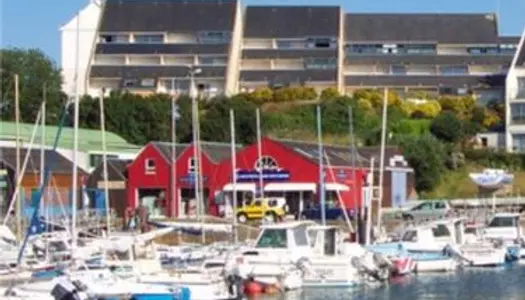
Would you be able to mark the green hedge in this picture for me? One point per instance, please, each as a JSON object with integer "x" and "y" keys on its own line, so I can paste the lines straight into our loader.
{"x": 496, "y": 159}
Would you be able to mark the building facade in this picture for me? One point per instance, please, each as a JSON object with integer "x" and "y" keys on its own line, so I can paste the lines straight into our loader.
{"x": 146, "y": 46}
{"x": 515, "y": 101}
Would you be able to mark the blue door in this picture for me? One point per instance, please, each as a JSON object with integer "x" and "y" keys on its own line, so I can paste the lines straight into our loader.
{"x": 399, "y": 188}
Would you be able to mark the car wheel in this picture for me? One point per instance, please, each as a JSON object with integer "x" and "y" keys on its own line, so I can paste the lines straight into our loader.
{"x": 271, "y": 217}
{"x": 242, "y": 218}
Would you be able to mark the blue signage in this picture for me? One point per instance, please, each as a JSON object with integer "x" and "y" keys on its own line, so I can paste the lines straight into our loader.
{"x": 267, "y": 175}
{"x": 190, "y": 178}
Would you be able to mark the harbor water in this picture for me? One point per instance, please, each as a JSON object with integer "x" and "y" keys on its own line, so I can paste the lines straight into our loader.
{"x": 505, "y": 283}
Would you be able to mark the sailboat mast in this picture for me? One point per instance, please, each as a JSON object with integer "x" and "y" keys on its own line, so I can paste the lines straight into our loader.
{"x": 105, "y": 161}
{"x": 382, "y": 159}
{"x": 353, "y": 153}
{"x": 18, "y": 199}
{"x": 43, "y": 144}
{"x": 234, "y": 177}
{"x": 259, "y": 152}
{"x": 173, "y": 150}
{"x": 322, "y": 196}
{"x": 75, "y": 142}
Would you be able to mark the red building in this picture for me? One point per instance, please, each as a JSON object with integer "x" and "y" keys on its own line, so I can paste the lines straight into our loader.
{"x": 290, "y": 169}
{"x": 150, "y": 176}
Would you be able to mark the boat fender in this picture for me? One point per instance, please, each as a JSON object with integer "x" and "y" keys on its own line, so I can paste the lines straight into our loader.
{"x": 252, "y": 288}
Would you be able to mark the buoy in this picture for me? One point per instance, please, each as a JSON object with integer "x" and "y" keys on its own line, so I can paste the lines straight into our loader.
{"x": 252, "y": 288}
{"x": 271, "y": 289}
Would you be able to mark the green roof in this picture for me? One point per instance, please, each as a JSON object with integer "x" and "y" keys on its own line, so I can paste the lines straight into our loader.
{"x": 89, "y": 140}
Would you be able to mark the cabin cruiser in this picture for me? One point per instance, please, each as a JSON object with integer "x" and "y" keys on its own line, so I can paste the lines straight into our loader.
{"x": 303, "y": 254}
{"x": 505, "y": 228}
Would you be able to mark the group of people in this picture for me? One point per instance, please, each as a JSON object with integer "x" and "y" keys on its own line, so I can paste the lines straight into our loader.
{"x": 137, "y": 219}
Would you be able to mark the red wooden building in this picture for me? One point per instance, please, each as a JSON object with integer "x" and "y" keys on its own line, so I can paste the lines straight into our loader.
{"x": 290, "y": 169}
{"x": 150, "y": 176}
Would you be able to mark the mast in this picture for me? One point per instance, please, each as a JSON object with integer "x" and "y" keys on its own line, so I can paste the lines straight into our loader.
{"x": 43, "y": 144}
{"x": 174, "y": 117}
{"x": 234, "y": 177}
{"x": 259, "y": 151}
{"x": 353, "y": 153}
{"x": 105, "y": 161}
{"x": 321, "y": 166}
{"x": 382, "y": 159}
{"x": 370, "y": 195}
{"x": 75, "y": 143}
{"x": 17, "y": 121}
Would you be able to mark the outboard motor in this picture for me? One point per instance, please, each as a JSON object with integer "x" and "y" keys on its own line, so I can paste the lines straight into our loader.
{"x": 65, "y": 290}
{"x": 379, "y": 274}
{"x": 235, "y": 286}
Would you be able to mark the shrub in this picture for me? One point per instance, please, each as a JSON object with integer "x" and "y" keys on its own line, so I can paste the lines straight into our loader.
{"x": 329, "y": 93}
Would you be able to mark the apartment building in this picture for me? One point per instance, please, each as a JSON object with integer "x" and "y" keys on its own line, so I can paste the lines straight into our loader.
{"x": 290, "y": 45}
{"x": 147, "y": 46}
{"x": 515, "y": 101}
{"x": 433, "y": 53}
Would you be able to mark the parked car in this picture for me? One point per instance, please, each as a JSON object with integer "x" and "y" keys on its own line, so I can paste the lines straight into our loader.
{"x": 428, "y": 210}
{"x": 271, "y": 209}
{"x": 331, "y": 212}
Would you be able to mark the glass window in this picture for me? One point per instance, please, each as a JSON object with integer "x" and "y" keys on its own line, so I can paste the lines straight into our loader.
{"x": 424, "y": 206}
{"x": 114, "y": 38}
{"x": 149, "y": 38}
{"x": 416, "y": 49}
{"x": 273, "y": 238}
{"x": 521, "y": 88}
{"x": 365, "y": 49}
{"x": 440, "y": 205}
{"x": 320, "y": 63}
{"x": 96, "y": 159}
{"x": 508, "y": 48}
{"x": 518, "y": 142}
{"x": 517, "y": 113}
{"x": 483, "y": 50}
{"x": 398, "y": 70}
{"x": 453, "y": 70}
{"x": 212, "y": 60}
{"x": 312, "y": 235}
{"x": 150, "y": 165}
{"x": 214, "y": 37}
{"x": 300, "y": 236}
{"x": 321, "y": 42}
{"x": 503, "y": 222}
{"x": 283, "y": 44}
{"x": 191, "y": 165}
{"x": 440, "y": 231}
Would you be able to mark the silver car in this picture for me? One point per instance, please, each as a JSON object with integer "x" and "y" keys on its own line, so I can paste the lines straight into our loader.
{"x": 428, "y": 210}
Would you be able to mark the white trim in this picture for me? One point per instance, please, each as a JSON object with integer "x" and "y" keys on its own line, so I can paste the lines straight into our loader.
{"x": 333, "y": 186}
{"x": 290, "y": 187}
{"x": 150, "y": 169}
{"x": 241, "y": 187}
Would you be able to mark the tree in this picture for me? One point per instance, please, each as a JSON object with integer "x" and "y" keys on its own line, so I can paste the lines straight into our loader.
{"x": 215, "y": 123}
{"x": 447, "y": 127}
{"x": 329, "y": 93}
{"x": 461, "y": 106}
{"x": 426, "y": 155}
{"x": 35, "y": 70}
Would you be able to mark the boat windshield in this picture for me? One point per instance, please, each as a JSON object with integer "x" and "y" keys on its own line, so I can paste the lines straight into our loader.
{"x": 503, "y": 222}
{"x": 273, "y": 238}
{"x": 409, "y": 236}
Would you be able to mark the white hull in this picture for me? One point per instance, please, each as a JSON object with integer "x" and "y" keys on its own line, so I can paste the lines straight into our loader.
{"x": 483, "y": 255}
{"x": 438, "y": 265}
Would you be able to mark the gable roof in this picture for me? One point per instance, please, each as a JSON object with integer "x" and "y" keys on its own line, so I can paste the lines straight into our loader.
{"x": 54, "y": 160}
{"x": 340, "y": 156}
{"x": 521, "y": 52}
{"x": 117, "y": 169}
{"x": 291, "y": 21}
{"x": 435, "y": 28}
{"x": 216, "y": 152}
{"x": 168, "y": 15}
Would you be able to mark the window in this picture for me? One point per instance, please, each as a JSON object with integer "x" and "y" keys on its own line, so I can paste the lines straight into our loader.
{"x": 96, "y": 159}
{"x": 365, "y": 49}
{"x": 483, "y": 50}
{"x": 409, "y": 236}
{"x": 454, "y": 70}
{"x": 312, "y": 235}
{"x": 518, "y": 142}
{"x": 273, "y": 238}
{"x": 398, "y": 70}
{"x": 484, "y": 142}
{"x": 149, "y": 38}
{"x": 508, "y": 48}
{"x": 150, "y": 165}
{"x": 212, "y": 60}
{"x": 521, "y": 88}
{"x": 283, "y": 44}
{"x": 139, "y": 83}
{"x": 214, "y": 37}
{"x": 300, "y": 236}
{"x": 321, "y": 42}
{"x": 440, "y": 205}
{"x": 440, "y": 231}
{"x": 517, "y": 113}
{"x": 503, "y": 222}
{"x": 424, "y": 206}
{"x": 320, "y": 63}
{"x": 416, "y": 49}
{"x": 192, "y": 166}
{"x": 114, "y": 38}
{"x": 266, "y": 163}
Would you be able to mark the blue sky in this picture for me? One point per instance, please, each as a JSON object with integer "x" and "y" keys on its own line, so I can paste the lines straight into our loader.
{"x": 35, "y": 23}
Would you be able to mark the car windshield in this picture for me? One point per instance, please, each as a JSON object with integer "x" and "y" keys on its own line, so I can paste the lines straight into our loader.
{"x": 503, "y": 222}
{"x": 273, "y": 238}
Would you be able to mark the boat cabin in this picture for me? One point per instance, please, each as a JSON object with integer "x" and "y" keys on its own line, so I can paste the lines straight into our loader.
{"x": 505, "y": 226}
{"x": 436, "y": 234}
{"x": 285, "y": 237}
{"x": 324, "y": 240}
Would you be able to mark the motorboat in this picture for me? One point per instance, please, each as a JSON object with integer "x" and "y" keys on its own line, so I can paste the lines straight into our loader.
{"x": 304, "y": 254}
{"x": 505, "y": 228}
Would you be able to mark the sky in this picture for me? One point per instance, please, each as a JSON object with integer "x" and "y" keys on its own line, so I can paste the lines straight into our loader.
{"x": 36, "y": 23}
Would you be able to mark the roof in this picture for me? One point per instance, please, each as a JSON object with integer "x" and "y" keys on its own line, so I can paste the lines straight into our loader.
{"x": 339, "y": 155}
{"x": 509, "y": 39}
{"x": 216, "y": 152}
{"x": 435, "y": 28}
{"x": 117, "y": 169}
{"x": 54, "y": 160}
{"x": 291, "y": 21}
{"x": 168, "y": 15}
{"x": 89, "y": 139}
